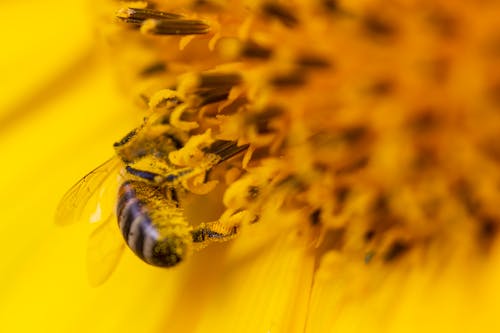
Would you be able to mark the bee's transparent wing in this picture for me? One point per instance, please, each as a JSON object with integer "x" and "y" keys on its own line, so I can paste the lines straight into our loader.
{"x": 104, "y": 250}
{"x": 75, "y": 201}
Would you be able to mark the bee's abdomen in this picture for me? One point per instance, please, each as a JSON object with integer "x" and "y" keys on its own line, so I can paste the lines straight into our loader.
{"x": 139, "y": 231}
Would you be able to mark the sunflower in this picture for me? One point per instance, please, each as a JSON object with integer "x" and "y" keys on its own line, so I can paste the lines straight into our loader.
{"x": 366, "y": 198}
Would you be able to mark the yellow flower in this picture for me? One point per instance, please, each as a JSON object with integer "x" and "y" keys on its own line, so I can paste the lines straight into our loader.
{"x": 370, "y": 186}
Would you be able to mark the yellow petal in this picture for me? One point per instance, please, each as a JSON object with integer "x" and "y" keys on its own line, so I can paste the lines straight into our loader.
{"x": 351, "y": 296}
{"x": 259, "y": 283}
{"x": 43, "y": 272}
{"x": 43, "y": 41}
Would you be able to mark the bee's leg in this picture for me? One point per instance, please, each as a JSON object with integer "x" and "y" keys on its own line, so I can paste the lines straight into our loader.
{"x": 155, "y": 178}
{"x": 143, "y": 174}
{"x": 214, "y": 231}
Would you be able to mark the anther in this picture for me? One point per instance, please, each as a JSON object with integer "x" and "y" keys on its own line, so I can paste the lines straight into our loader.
{"x": 315, "y": 217}
{"x": 137, "y": 16}
{"x": 174, "y": 27}
{"x": 378, "y": 26}
{"x": 153, "y": 69}
{"x": 250, "y": 49}
{"x": 331, "y": 5}
{"x": 396, "y": 250}
{"x": 312, "y": 61}
{"x": 233, "y": 48}
{"x": 292, "y": 79}
{"x": 208, "y": 96}
{"x": 281, "y": 13}
{"x": 212, "y": 80}
{"x": 225, "y": 149}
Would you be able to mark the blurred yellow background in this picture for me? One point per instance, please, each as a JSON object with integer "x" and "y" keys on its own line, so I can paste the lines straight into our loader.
{"x": 58, "y": 111}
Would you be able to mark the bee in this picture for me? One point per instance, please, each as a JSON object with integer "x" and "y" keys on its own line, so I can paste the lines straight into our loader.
{"x": 148, "y": 210}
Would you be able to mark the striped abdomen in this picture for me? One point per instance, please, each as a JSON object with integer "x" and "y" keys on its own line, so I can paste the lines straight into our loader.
{"x": 152, "y": 225}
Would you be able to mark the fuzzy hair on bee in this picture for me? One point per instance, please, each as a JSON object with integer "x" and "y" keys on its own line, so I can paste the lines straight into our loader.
{"x": 148, "y": 211}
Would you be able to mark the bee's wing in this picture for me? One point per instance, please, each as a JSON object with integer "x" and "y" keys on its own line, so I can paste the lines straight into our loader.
{"x": 104, "y": 250}
{"x": 74, "y": 202}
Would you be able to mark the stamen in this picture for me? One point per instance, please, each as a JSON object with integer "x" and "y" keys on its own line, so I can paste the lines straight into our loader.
{"x": 225, "y": 149}
{"x": 174, "y": 27}
{"x": 368, "y": 235}
{"x": 488, "y": 230}
{"x": 200, "y": 5}
{"x": 262, "y": 120}
{"x": 378, "y": 26}
{"x": 331, "y": 5}
{"x": 251, "y": 49}
{"x": 137, "y": 15}
{"x": 341, "y": 195}
{"x": 194, "y": 83}
{"x": 315, "y": 217}
{"x": 353, "y": 166}
{"x": 233, "y": 48}
{"x": 354, "y": 134}
{"x": 252, "y": 193}
{"x": 209, "y": 96}
{"x": 212, "y": 80}
{"x": 312, "y": 61}
{"x": 153, "y": 69}
{"x": 281, "y": 13}
{"x": 292, "y": 79}
{"x": 396, "y": 250}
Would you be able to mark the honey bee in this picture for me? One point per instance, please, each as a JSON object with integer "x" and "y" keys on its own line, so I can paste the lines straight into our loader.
{"x": 148, "y": 210}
